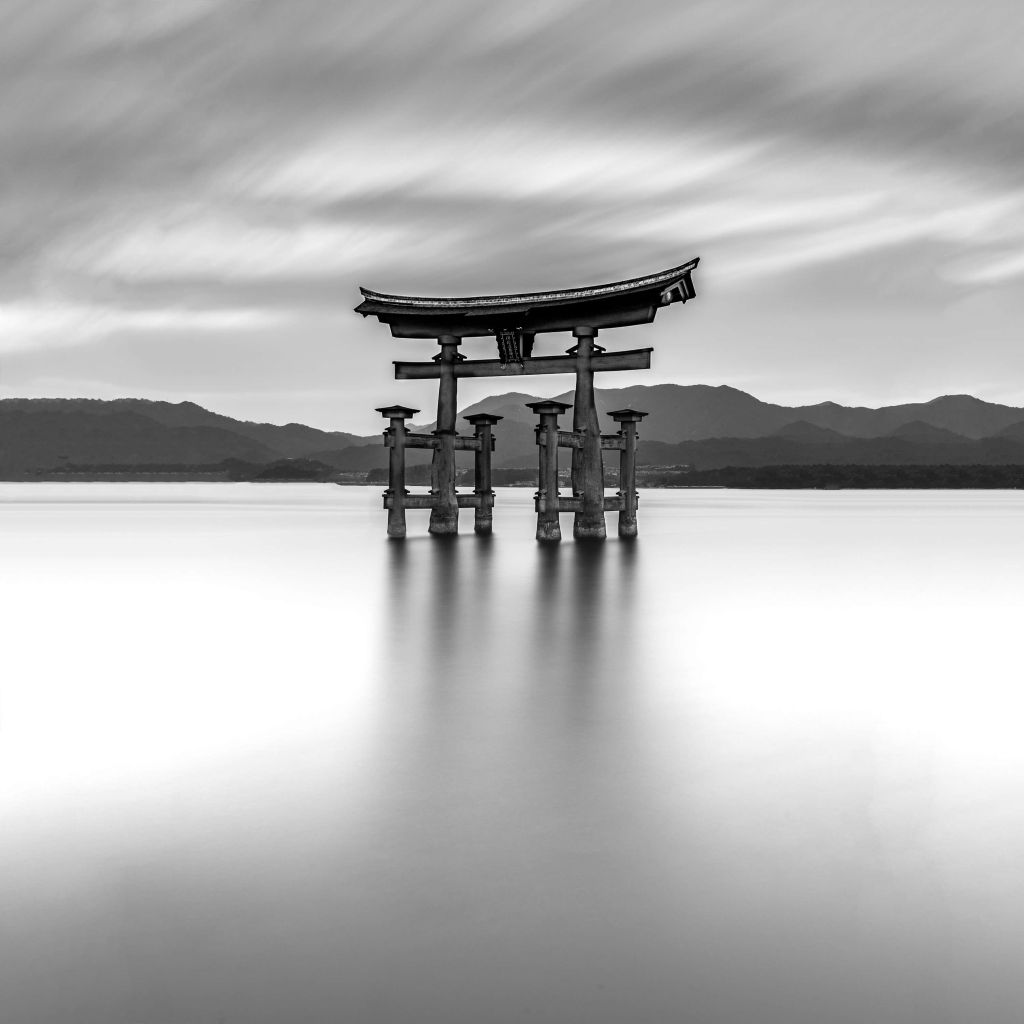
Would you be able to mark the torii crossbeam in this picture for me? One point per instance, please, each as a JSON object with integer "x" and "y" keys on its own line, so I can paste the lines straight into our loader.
{"x": 514, "y": 321}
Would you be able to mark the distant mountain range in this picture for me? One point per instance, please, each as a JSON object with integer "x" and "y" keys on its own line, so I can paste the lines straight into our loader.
{"x": 696, "y": 425}
{"x": 711, "y": 427}
{"x": 39, "y": 435}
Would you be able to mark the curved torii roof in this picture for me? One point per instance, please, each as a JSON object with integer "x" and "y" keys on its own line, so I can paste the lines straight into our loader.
{"x": 618, "y": 304}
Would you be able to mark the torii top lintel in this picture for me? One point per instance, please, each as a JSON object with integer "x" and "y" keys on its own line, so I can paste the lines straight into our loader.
{"x": 619, "y": 304}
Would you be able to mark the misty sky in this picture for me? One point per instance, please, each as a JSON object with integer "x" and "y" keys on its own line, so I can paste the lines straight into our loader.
{"x": 193, "y": 191}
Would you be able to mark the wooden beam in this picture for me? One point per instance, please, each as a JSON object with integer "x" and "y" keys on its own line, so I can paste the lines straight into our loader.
{"x": 410, "y": 500}
{"x": 462, "y": 325}
{"x": 630, "y": 359}
{"x": 570, "y": 439}
{"x": 428, "y": 500}
{"x": 612, "y": 503}
{"x": 420, "y": 441}
{"x": 461, "y": 443}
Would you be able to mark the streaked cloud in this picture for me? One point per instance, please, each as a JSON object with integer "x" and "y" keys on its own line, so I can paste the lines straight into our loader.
{"x": 232, "y": 166}
{"x": 991, "y": 268}
{"x": 27, "y": 325}
{"x": 202, "y": 244}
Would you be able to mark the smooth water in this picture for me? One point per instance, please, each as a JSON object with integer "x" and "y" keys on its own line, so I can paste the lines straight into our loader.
{"x": 258, "y": 765}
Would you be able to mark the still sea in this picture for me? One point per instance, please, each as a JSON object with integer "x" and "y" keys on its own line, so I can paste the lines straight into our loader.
{"x": 259, "y": 765}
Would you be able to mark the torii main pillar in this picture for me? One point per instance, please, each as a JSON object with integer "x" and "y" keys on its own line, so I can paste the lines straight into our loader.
{"x": 514, "y": 322}
{"x": 587, "y": 463}
{"x": 444, "y": 515}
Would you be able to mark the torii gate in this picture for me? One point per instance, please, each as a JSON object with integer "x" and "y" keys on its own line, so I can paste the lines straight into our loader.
{"x": 515, "y": 321}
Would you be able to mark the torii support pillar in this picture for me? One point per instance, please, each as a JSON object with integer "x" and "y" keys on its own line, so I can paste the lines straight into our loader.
{"x": 546, "y": 499}
{"x": 394, "y": 438}
{"x": 482, "y": 423}
{"x": 627, "y": 420}
{"x": 444, "y": 514}
{"x": 587, "y": 465}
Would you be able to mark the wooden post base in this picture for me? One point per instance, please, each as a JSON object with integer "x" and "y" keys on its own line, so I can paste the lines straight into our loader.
{"x": 396, "y": 515}
{"x": 483, "y": 520}
{"x": 443, "y": 522}
{"x": 549, "y": 531}
{"x": 587, "y": 528}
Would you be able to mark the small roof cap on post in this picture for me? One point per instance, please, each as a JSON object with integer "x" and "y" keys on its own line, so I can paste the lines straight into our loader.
{"x": 548, "y": 406}
{"x": 397, "y": 412}
{"x": 627, "y": 415}
{"x": 483, "y": 418}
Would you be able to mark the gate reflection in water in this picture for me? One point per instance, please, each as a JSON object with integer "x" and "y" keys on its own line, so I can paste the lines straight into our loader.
{"x": 259, "y": 762}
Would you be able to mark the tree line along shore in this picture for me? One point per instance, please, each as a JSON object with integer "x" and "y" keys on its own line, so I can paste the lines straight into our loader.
{"x": 783, "y": 477}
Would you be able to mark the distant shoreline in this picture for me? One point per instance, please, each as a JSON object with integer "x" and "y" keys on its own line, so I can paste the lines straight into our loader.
{"x": 782, "y": 477}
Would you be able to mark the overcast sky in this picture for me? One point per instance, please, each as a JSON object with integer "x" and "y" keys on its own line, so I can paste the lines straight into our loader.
{"x": 193, "y": 190}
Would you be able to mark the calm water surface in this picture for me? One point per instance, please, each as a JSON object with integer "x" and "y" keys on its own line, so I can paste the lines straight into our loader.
{"x": 259, "y": 765}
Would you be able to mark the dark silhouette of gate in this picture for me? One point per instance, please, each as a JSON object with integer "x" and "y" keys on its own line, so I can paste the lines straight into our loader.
{"x": 514, "y": 321}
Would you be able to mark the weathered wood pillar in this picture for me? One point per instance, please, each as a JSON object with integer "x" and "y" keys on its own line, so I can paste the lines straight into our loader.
{"x": 546, "y": 499}
{"x": 627, "y": 420}
{"x": 587, "y": 465}
{"x": 394, "y": 438}
{"x": 444, "y": 515}
{"x": 482, "y": 423}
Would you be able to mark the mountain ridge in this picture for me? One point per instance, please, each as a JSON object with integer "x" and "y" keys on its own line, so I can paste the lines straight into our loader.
{"x": 690, "y": 412}
{"x": 698, "y": 424}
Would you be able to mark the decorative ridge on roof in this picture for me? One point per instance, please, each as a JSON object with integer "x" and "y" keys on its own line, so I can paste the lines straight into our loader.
{"x": 569, "y": 294}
